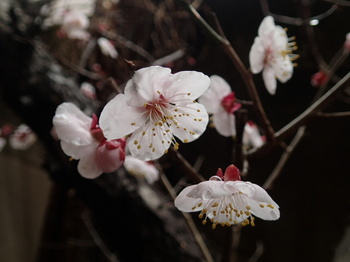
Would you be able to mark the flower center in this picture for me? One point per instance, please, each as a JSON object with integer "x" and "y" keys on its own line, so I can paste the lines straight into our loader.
{"x": 230, "y": 104}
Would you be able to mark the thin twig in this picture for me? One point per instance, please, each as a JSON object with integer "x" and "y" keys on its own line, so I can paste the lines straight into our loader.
{"x": 304, "y": 117}
{"x": 284, "y": 158}
{"x": 188, "y": 218}
{"x": 129, "y": 44}
{"x": 243, "y": 71}
{"x": 258, "y": 251}
{"x": 339, "y": 2}
{"x": 97, "y": 239}
{"x": 293, "y": 20}
{"x": 336, "y": 114}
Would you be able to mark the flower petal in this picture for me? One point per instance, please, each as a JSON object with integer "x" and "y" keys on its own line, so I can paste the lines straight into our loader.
{"x": 72, "y": 125}
{"x": 224, "y": 123}
{"x": 283, "y": 68}
{"x": 141, "y": 168}
{"x": 267, "y": 25}
{"x": 190, "y": 83}
{"x": 192, "y": 122}
{"x": 145, "y": 85}
{"x": 185, "y": 203}
{"x": 212, "y": 98}
{"x": 148, "y": 144}
{"x": 87, "y": 166}
{"x": 118, "y": 119}
{"x": 270, "y": 80}
{"x": 257, "y": 56}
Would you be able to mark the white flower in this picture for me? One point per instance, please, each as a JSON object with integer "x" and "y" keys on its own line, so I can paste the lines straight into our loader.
{"x": 107, "y": 48}
{"x": 141, "y": 168}
{"x": 75, "y": 24}
{"x": 155, "y": 107}
{"x": 227, "y": 200}
{"x": 22, "y": 138}
{"x": 251, "y": 135}
{"x": 220, "y": 101}
{"x": 81, "y": 138}
{"x": 272, "y": 54}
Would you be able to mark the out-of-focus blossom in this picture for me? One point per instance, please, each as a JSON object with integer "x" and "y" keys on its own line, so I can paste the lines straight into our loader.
{"x": 88, "y": 90}
{"x": 75, "y": 25}
{"x": 227, "y": 200}
{"x": 22, "y": 138}
{"x": 155, "y": 107}
{"x": 141, "y": 168}
{"x": 251, "y": 136}
{"x": 107, "y": 48}
{"x": 2, "y": 143}
{"x": 347, "y": 42}
{"x": 318, "y": 79}
{"x": 220, "y": 101}
{"x": 271, "y": 53}
{"x": 55, "y": 10}
{"x": 82, "y": 138}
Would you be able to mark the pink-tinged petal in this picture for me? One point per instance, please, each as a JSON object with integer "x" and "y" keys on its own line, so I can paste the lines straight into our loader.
{"x": 109, "y": 160}
{"x": 72, "y": 125}
{"x": 87, "y": 166}
{"x": 146, "y": 84}
{"x": 118, "y": 119}
{"x": 148, "y": 144}
{"x": 191, "y": 120}
{"x": 218, "y": 89}
{"x": 224, "y": 123}
{"x": 188, "y": 204}
{"x": 257, "y": 56}
{"x": 270, "y": 80}
{"x": 141, "y": 168}
{"x": 232, "y": 173}
{"x": 191, "y": 84}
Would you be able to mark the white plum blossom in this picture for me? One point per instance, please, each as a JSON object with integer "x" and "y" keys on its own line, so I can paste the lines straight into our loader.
{"x": 220, "y": 101}
{"x": 157, "y": 106}
{"x": 271, "y": 53}
{"x": 22, "y": 138}
{"x": 82, "y": 138}
{"x": 139, "y": 168}
{"x": 75, "y": 25}
{"x": 107, "y": 48}
{"x": 251, "y": 136}
{"x": 226, "y": 200}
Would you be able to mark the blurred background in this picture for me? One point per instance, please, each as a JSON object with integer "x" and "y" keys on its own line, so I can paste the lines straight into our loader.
{"x": 48, "y": 212}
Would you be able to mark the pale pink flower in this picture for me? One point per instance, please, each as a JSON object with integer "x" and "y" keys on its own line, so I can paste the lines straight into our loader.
{"x": 22, "y": 138}
{"x": 157, "y": 106}
{"x": 82, "y": 138}
{"x": 139, "y": 168}
{"x": 107, "y": 48}
{"x": 220, "y": 101}
{"x": 75, "y": 25}
{"x": 271, "y": 53}
{"x": 251, "y": 136}
{"x": 227, "y": 200}
{"x": 88, "y": 90}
